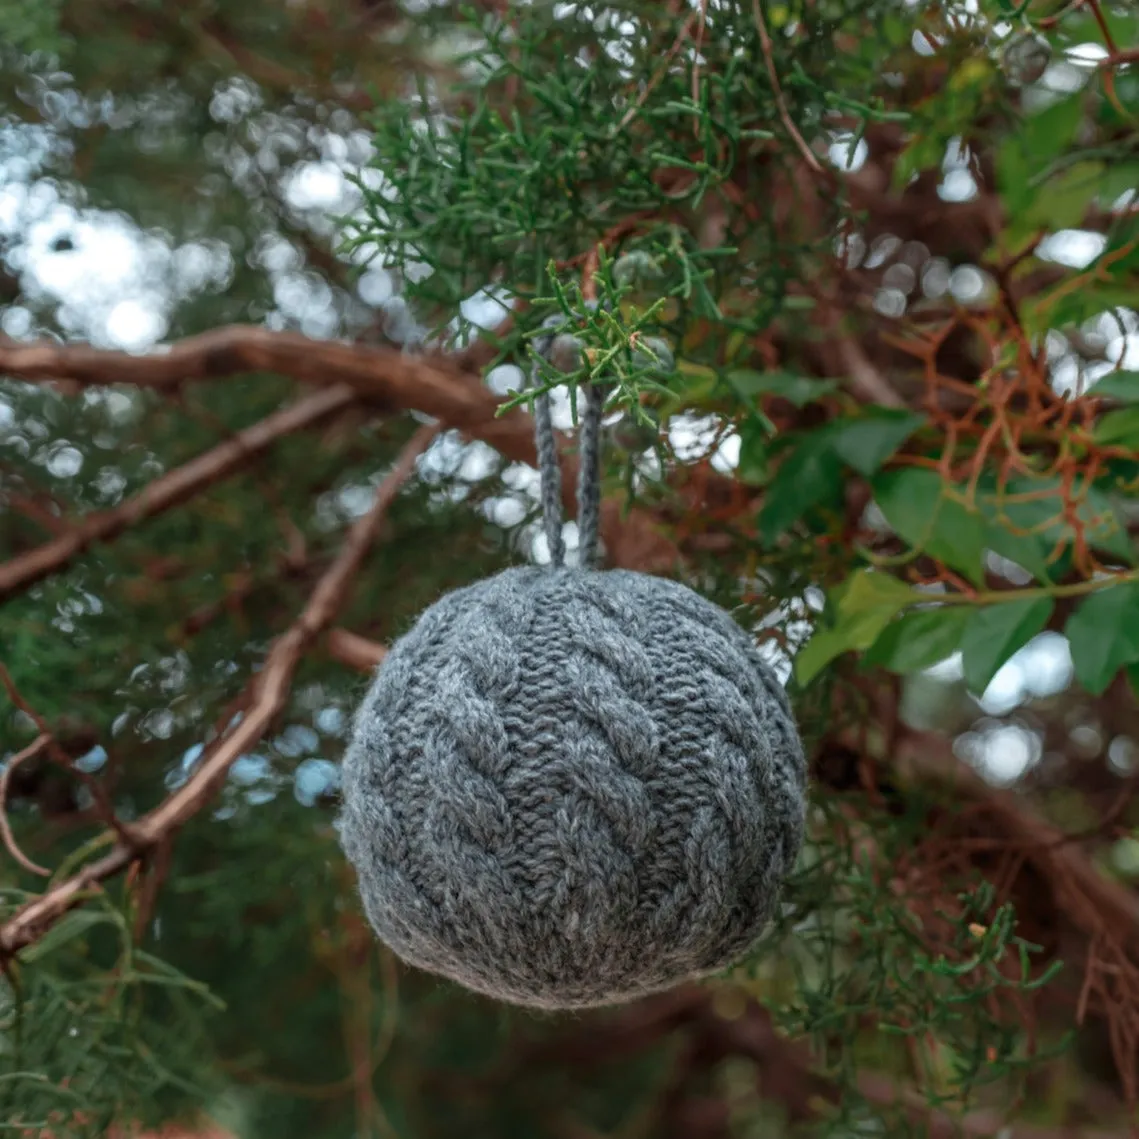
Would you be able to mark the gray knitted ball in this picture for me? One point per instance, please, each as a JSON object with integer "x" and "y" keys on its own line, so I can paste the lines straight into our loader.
{"x": 570, "y": 788}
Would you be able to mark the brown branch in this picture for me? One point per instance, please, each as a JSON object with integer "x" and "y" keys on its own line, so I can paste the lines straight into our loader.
{"x": 381, "y": 375}
{"x": 754, "y": 1035}
{"x": 1088, "y": 891}
{"x": 172, "y": 488}
{"x": 785, "y": 1069}
{"x": 269, "y": 691}
{"x": 353, "y": 650}
{"x": 777, "y": 91}
{"x": 866, "y": 380}
{"x": 33, "y": 749}
{"x": 435, "y": 385}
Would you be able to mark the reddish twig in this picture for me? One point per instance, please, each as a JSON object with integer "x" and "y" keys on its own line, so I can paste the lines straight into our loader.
{"x": 151, "y": 883}
{"x": 655, "y": 78}
{"x": 269, "y": 691}
{"x": 353, "y": 650}
{"x": 33, "y": 749}
{"x": 777, "y": 91}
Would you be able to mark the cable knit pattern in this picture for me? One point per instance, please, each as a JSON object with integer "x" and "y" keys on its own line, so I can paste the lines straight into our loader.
{"x": 570, "y": 788}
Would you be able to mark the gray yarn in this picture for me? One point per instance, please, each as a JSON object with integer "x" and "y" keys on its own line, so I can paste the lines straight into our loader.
{"x": 569, "y": 787}
{"x": 551, "y": 476}
{"x": 588, "y": 477}
{"x": 563, "y": 351}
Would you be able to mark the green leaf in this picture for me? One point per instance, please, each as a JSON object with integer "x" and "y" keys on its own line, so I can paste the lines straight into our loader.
{"x": 919, "y": 640}
{"x": 1116, "y": 181}
{"x": 923, "y": 151}
{"x": 1073, "y": 306}
{"x": 869, "y": 589}
{"x": 864, "y": 605}
{"x": 1133, "y": 677}
{"x": 753, "y": 465}
{"x": 798, "y": 390}
{"x": 865, "y": 442}
{"x": 1027, "y": 153}
{"x": 1119, "y": 428}
{"x": 1029, "y": 551}
{"x": 1122, "y": 386}
{"x": 1048, "y": 134}
{"x": 1060, "y": 203}
{"x": 916, "y": 507}
{"x": 809, "y": 476}
{"x": 1104, "y": 635}
{"x": 995, "y": 632}
{"x": 1105, "y": 526}
{"x": 1013, "y": 528}
{"x": 1014, "y": 170}
{"x": 823, "y": 647}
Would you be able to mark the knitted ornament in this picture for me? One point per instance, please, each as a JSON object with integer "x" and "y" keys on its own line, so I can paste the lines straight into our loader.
{"x": 570, "y": 787}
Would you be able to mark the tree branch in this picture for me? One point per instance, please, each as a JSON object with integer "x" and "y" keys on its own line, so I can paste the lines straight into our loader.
{"x": 1089, "y": 895}
{"x": 172, "y": 488}
{"x": 353, "y": 650}
{"x": 866, "y": 380}
{"x": 269, "y": 691}
{"x": 378, "y": 374}
{"x": 30, "y": 752}
{"x": 435, "y": 385}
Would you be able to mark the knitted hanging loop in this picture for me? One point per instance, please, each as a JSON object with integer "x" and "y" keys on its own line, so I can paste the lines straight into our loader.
{"x": 562, "y": 350}
{"x": 569, "y": 787}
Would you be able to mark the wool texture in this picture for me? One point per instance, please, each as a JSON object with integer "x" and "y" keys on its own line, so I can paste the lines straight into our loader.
{"x": 569, "y": 787}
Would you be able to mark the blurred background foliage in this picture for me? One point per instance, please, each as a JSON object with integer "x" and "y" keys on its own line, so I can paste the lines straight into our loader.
{"x": 892, "y": 249}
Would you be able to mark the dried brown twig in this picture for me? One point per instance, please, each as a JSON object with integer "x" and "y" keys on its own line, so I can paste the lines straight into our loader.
{"x": 30, "y": 752}
{"x": 929, "y": 757}
{"x": 269, "y": 692}
{"x": 353, "y": 650}
{"x": 777, "y": 91}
